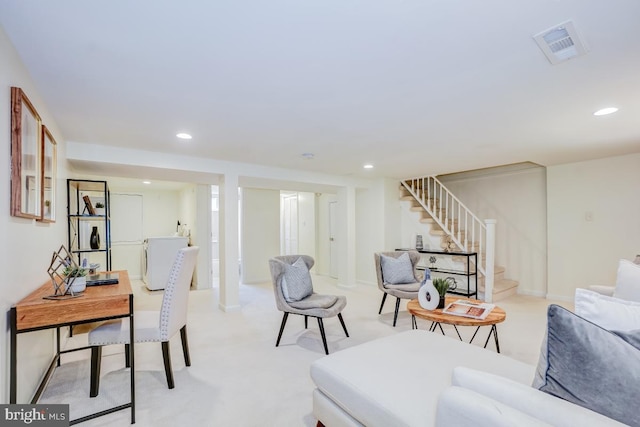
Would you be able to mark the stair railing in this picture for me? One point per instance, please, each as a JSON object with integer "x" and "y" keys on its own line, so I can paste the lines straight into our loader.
{"x": 466, "y": 230}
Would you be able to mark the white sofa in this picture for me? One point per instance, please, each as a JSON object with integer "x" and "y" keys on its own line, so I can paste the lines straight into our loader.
{"x": 419, "y": 378}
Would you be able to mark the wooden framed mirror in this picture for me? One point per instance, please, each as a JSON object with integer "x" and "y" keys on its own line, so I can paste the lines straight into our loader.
{"x": 48, "y": 184}
{"x": 26, "y": 144}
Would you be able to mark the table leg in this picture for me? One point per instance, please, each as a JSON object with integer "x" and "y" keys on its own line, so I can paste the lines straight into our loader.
{"x": 131, "y": 358}
{"x": 414, "y": 325}
{"x": 474, "y": 334}
{"x": 58, "y": 342}
{"x": 13, "y": 370}
{"x": 441, "y": 330}
{"x": 456, "y": 328}
{"x": 494, "y": 331}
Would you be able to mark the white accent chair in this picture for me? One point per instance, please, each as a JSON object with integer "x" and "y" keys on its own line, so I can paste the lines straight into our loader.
{"x": 151, "y": 326}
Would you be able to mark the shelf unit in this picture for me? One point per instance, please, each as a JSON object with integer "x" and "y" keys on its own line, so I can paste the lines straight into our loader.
{"x": 81, "y": 222}
{"x": 471, "y": 257}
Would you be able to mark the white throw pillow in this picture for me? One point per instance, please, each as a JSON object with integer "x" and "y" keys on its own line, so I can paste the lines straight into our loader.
{"x": 628, "y": 281}
{"x": 535, "y": 403}
{"x": 610, "y": 313}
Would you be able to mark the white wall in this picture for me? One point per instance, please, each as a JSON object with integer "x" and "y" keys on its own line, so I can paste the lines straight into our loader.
{"x": 517, "y": 200}
{"x": 593, "y": 221}
{"x": 27, "y": 245}
{"x": 260, "y": 233}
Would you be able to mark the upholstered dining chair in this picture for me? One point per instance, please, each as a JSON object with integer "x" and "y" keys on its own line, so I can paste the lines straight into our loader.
{"x": 294, "y": 294}
{"x": 151, "y": 326}
{"x": 397, "y": 276}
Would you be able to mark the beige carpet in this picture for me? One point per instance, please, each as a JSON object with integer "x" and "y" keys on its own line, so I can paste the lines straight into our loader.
{"x": 238, "y": 377}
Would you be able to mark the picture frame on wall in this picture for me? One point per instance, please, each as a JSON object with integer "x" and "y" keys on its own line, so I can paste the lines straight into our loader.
{"x": 48, "y": 163}
{"x": 26, "y": 172}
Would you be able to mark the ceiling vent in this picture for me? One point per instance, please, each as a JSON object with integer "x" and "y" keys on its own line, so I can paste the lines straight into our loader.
{"x": 560, "y": 43}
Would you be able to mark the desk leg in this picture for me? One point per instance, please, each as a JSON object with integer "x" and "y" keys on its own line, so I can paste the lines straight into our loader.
{"x": 131, "y": 358}
{"x": 13, "y": 370}
{"x": 58, "y": 343}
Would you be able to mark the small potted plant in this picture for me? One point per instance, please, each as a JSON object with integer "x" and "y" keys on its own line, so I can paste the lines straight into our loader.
{"x": 99, "y": 208}
{"x": 75, "y": 278}
{"x": 442, "y": 286}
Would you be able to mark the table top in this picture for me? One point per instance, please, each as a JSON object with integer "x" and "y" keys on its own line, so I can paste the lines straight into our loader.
{"x": 497, "y": 315}
{"x": 96, "y": 302}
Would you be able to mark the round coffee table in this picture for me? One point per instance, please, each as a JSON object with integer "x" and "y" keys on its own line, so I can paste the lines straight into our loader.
{"x": 437, "y": 317}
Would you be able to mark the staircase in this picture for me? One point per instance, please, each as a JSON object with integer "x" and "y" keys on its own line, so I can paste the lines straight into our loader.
{"x": 459, "y": 230}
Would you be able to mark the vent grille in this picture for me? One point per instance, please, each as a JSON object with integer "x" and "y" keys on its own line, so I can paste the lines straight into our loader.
{"x": 560, "y": 43}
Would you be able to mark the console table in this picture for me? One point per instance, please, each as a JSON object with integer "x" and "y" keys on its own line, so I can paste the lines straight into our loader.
{"x": 471, "y": 257}
{"x": 96, "y": 303}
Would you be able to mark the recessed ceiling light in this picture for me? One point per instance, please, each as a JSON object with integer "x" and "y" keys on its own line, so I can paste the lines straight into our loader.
{"x": 308, "y": 156}
{"x": 183, "y": 136}
{"x": 605, "y": 111}
{"x": 368, "y": 166}
{"x": 146, "y": 182}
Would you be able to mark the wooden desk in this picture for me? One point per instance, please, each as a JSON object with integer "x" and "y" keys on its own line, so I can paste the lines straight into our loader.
{"x": 437, "y": 317}
{"x": 96, "y": 303}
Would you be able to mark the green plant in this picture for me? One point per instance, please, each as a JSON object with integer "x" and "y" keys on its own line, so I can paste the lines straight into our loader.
{"x": 99, "y": 205}
{"x": 441, "y": 285}
{"x": 75, "y": 271}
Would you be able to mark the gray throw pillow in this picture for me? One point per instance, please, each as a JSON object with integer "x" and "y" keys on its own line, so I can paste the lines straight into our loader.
{"x": 591, "y": 366}
{"x": 397, "y": 271}
{"x": 296, "y": 281}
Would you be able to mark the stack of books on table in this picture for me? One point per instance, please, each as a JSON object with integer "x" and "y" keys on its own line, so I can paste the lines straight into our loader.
{"x": 466, "y": 308}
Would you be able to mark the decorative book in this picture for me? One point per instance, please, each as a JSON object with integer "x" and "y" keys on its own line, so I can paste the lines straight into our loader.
{"x": 466, "y": 308}
{"x": 88, "y": 205}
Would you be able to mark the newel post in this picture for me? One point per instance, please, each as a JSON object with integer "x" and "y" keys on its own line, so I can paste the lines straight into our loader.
{"x": 490, "y": 258}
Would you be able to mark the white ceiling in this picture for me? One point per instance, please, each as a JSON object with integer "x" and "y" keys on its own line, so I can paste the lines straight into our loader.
{"x": 413, "y": 86}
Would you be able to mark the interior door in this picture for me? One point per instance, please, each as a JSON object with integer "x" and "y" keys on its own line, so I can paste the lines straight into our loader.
{"x": 333, "y": 247}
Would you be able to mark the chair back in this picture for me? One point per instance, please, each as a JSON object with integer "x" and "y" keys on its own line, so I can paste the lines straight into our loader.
{"x": 277, "y": 267}
{"x": 413, "y": 256}
{"x": 173, "y": 314}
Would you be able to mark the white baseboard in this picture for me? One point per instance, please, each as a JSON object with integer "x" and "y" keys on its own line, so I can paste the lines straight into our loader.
{"x": 539, "y": 294}
{"x": 563, "y": 298}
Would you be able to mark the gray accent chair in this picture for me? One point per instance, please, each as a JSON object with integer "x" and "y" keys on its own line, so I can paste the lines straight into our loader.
{"x": 315, "y": 305}
{"x": 404, "y": 291}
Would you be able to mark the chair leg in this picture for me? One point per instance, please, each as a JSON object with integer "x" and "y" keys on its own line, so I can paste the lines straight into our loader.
{"x": 96, "y": 357}
{"x": 395, "y": 315}
{"x": 185, "y": 345}
{"x": 167, "y": 363}
{"x": 284, "y": 322}
{"x": 306, "y": 319}
{"x": 127, "y": 360}
{"x": 384, "y": 297}
{"x": 324, "y": 337}
{"x": 343, "y": 325}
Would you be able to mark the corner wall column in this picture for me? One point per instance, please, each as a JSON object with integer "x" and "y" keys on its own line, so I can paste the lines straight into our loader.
{"x": 347, "y": 240}
{"x": 229, "y": 250}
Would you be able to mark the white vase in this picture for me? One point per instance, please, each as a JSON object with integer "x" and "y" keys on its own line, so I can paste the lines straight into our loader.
{"x": 78, "y": 284}
{"x": 428, "y": 295}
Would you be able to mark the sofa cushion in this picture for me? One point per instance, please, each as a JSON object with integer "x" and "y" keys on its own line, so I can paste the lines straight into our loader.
{"x": 460, "y": 407}
{"x": 591, "y": 366}
{"x": 529, "y": 400}
{"x": 377, "y": 392}
{"x": 296, "y": 281}
{"x": 628, "y": 281}
{"x": 610, "y": 313}
{"x": 397, "y": 271}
